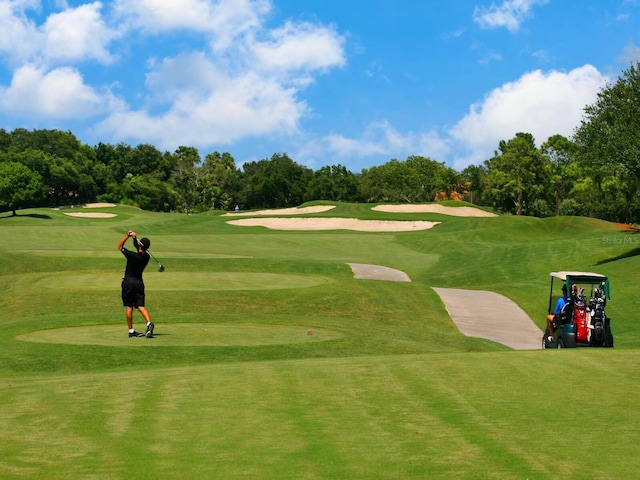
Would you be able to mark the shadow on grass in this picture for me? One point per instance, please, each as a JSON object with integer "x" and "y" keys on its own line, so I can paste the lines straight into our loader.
{"x": 28, "y": 215}
{"x": 630, "y": 253}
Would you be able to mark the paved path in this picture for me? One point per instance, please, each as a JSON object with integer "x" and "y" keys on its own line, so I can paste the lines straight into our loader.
{"x": 483, "y": 314}
{"x": 377, "y": 272}
{"x": 477, "y": 313}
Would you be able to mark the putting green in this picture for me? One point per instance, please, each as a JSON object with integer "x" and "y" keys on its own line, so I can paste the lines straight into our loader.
{"x": 185, "y": 334}
{"x": 192, "y": 281}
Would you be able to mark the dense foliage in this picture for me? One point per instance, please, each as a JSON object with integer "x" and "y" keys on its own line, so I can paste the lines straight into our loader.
{"x": 597, "y": 173}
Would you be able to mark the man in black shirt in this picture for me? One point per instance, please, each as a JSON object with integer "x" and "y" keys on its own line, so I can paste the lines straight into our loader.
{"x": 132, "y": 284}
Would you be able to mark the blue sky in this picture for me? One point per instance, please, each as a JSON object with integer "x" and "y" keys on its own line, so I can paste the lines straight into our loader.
{"x": 355, "y": 82}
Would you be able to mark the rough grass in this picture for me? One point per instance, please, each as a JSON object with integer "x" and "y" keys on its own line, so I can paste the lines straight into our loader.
{"x": 386, "y": 387}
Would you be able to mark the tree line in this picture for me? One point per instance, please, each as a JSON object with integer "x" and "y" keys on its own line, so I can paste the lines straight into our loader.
{"x": 595, "y": 173}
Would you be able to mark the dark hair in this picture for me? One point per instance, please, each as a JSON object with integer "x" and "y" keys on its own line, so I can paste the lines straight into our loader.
{"x": 145, "y": 243}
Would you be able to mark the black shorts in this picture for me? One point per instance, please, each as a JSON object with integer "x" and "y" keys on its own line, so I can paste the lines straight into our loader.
{"x": 132, "y": 292}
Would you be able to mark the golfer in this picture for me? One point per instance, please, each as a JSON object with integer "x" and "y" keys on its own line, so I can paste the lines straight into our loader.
{"x": 557, "y": 311}
{"x": 132, "y": 284}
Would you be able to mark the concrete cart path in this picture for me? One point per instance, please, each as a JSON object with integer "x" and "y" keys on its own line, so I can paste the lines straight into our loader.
{"x": 377, "y": 272}
{"x": 483, "y": 314}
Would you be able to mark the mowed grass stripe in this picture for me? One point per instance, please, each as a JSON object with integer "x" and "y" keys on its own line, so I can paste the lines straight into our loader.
{"x": 191, "y": 281}
{"x": 433, "y": 416}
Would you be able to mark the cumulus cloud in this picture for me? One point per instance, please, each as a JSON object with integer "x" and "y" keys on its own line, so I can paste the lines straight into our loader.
{"x": 301, "y": 46}
{"x": 72, "y": 35}
{"x": 77, "y": 34}
{"x": 540, "y": 103}
{"x": 238, "y": 79}
{"x": 543, "y": 104}
{"x": 59, "y": 93}
{"x": 222, "y": 20}
{"x": 248, "y": 106}
{"x": 509, "y": 15}
{"x": 379, "y": 138}
{"x": 19, "y": 40}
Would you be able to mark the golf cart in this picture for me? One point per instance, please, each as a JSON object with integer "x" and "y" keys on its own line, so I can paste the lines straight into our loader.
{"x": 582, "y": 321}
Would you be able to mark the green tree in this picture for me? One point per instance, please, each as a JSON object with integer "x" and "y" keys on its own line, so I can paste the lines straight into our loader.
{"x": 185, "y": 177}
{"x": 274, "y": 183}
{"x": 517, "y": 176}
{"x": 474, "y": 178}
{"x": 149, "y": 192}
{"x": 219, "y": 181}
{"x": 561, "y": 153}
{"x": 333, "y": 182}
{"x": 19, "y": 186}
{"x": 65, "y": 164}
{"x": 609, "y": 141}
{"x": 417, "y": 179}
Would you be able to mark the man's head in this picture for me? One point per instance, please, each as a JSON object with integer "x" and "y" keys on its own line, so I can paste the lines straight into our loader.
{"x": 564, "y": 288}
{"x": 144, "y": 243}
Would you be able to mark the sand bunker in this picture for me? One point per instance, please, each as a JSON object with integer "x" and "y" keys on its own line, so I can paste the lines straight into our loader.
{"x": 334, "y": 223}
{"x": 90, "y": 214}
{"x": 99, "y": 205}
{"x": 434, "y": 208}
{"x": 283, "y": 211}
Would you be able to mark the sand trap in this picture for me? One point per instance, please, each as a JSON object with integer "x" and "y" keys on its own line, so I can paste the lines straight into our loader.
{"x": 90, "y": 214}
{"x": 283, "y": 211}
{"x": 434, "y": 208}
{"x": 334, "y": 223}
{"x": 99, "y": 205}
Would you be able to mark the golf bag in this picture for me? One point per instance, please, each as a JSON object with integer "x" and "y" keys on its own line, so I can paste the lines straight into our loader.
{"x": 598, "y": 317}
{"x": 580, "y": 324}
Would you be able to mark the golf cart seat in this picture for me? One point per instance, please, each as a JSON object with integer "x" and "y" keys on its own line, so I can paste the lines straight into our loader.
{"x": 565, "y": 314}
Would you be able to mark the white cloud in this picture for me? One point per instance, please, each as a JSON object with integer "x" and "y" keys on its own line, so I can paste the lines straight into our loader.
{"x": 207, "y": 105}
{"x": 240, "y": 79}
{"x": 19, "y": 39}
{"x": 72, "y": 35}
{"x": 77, "y": 34}
{"x": 630, "y": 54}
{"x": 60, "y": 93}
{"x": 543, "y": 104}
{"x": 222, "y": 20}
{"x": 379, "y": 139}
{"x": 301, "y": 46}
{"x": 509, "y": 15}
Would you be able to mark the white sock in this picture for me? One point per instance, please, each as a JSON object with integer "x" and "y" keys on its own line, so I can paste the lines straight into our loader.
{"x": 131, "y": 330}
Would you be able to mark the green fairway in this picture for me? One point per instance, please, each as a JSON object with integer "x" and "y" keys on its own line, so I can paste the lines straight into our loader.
{"x": 271, "y": 361}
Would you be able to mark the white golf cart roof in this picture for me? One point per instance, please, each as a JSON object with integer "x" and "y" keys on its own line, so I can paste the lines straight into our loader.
{"x": 563, "y": 275}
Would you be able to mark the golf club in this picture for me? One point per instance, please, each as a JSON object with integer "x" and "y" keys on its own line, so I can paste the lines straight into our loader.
{"x": 160, "y": 266}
